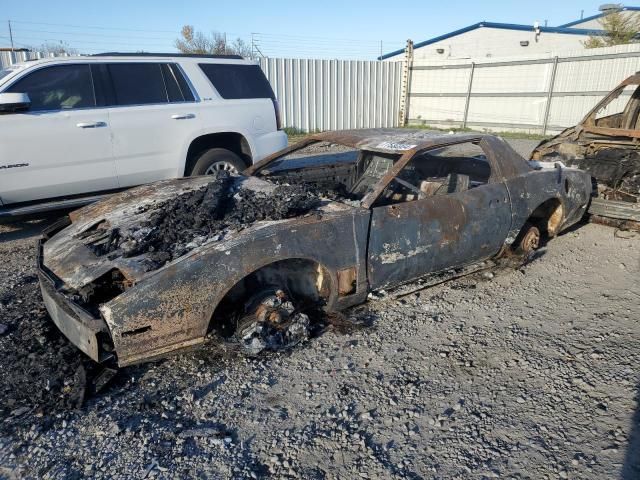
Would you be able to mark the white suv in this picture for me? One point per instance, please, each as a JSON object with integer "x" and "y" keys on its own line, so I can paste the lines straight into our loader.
{"x": 73, "y": 129}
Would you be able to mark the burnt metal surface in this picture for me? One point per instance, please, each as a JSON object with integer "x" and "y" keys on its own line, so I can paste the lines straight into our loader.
{"x": 348, "y": 244}
{"x": 608, "y": 148}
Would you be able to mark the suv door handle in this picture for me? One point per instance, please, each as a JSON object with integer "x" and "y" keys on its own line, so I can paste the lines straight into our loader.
{"x": 91, "y": 124}
{"x": 183, "y": 116}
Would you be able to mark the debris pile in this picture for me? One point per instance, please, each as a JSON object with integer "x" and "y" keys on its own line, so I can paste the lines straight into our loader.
{"x": 185, "y": 222}
{"x": 618, "y": 170}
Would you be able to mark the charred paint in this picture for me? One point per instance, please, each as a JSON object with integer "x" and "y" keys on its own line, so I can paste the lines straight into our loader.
{"x": 354, "y": 247}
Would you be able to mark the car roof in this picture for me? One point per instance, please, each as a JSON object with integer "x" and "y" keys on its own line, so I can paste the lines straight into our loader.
{"x": 122, "y": 57}
{"x": 394, "y": 140}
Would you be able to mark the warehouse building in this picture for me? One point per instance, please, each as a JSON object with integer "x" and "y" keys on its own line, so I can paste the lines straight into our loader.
{"x": 491, "y": 39}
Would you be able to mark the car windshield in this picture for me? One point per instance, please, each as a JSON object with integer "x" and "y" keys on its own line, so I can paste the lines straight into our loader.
{"x": 4, "y": 73}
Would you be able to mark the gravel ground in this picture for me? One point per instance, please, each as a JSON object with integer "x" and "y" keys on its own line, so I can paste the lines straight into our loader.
{"x": 527, "y": 373}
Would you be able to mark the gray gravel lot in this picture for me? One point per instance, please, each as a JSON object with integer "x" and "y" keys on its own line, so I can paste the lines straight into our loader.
{"x": 518, "y": 373}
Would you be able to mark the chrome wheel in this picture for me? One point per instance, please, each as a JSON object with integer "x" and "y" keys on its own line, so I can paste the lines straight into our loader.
{"x": 221, "y": 166}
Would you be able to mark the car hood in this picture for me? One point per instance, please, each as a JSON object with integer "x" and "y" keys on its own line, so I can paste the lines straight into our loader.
{"x": 70, "y": 255}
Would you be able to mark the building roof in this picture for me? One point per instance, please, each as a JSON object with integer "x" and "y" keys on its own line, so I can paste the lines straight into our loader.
{"x": 504, "y": 26}
{"x": 595, "y": 17}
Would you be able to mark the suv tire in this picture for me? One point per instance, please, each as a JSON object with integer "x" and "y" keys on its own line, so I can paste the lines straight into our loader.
{"x": 217, "y": 159}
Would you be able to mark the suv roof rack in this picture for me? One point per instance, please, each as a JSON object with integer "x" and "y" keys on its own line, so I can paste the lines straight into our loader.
{"x": 146, "y": 54}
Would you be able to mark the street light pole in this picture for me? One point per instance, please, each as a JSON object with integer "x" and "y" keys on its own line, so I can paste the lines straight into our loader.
{"x": 10, "y": 34}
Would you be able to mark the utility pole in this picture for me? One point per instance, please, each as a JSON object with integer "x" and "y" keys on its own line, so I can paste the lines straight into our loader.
{"x": 405, "y": 84}
{"x": 253, "y": 49}
{"x": 10, "y": 35}
{"x": 380, "y": 50}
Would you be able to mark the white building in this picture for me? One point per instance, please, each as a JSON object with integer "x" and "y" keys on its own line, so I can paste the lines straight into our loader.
{"x": 490, "y": 39}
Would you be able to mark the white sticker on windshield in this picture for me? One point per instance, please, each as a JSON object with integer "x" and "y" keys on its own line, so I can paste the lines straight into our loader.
{"x": 395, "y": 146}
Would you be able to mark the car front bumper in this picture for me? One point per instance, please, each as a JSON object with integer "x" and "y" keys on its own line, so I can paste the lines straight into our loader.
{"x": 89, "y": 334}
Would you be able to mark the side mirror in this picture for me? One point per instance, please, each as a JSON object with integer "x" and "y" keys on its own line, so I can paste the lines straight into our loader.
{"x": 13, "y": 102}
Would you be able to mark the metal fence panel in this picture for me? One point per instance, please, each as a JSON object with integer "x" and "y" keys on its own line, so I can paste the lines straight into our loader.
{"x": 537, "y": 94}
{"x": 335, "y": 94}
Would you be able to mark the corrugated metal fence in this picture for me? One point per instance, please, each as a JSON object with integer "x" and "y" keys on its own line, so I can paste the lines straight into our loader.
{"x": 320, "y": 94}
{"x": 9, "y": 58}
{"x": 538, "y": 94}
{"x": 335, "y": 94}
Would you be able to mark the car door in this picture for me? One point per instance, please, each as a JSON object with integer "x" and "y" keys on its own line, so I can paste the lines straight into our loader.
{"x": 152, "y": 117}
{"x": 445, "y": 208}
{"x": 60, "y": 146}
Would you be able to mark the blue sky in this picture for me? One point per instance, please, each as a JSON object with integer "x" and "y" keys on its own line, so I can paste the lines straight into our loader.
{"x": 321, "y": 29}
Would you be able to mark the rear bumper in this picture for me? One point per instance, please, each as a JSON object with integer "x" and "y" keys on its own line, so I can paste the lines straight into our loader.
{"x": 87, "y": 333}
{"x": 268, "y": 144}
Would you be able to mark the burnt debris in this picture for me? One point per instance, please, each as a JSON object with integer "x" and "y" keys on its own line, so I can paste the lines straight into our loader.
{"x": 185, "y": 222}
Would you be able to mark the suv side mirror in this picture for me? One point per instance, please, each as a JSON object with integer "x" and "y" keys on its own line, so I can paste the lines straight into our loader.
{"x": 12, "y": 102}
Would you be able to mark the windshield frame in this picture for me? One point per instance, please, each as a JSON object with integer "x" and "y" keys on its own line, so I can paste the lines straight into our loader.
{"x": 9, "y": 72}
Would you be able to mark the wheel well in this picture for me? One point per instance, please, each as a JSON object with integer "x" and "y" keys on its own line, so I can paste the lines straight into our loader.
{"x": 300, "y": 278}
{"x": 234, "y": 142}
{"x": 548, "y": 217}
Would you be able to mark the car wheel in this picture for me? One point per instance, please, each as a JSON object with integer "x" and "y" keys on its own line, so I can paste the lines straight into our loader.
{"x": 271, "y": 322}
{"x": 215, "y": 160}
{"x": 528, "y": 241}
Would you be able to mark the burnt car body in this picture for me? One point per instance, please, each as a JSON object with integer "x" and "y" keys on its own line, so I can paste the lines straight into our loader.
{"x": 606, "y": 143}
{"x": 403, "y": 205}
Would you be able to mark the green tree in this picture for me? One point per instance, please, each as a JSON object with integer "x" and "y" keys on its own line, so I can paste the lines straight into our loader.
{"x": 194, "y": 42}
{"x": 619, "y": 28}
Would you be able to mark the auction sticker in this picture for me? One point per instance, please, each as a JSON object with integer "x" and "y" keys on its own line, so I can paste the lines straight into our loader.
{"x": 395, "y": 146}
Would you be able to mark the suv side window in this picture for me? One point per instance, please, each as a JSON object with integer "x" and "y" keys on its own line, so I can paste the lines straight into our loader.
{"x": 234, "y": 81}
{"x": 137, "y": 83}
{"x": 177, "y": 88}
{"x": 59, "y": 87}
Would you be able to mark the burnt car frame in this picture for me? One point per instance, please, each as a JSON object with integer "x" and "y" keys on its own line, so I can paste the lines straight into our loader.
{"x": 423, "y": 206}
{"x": 606, "y": 143}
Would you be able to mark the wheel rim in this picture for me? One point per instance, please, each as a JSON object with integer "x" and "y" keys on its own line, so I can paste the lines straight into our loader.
{"x": 273, "y": 324}
{"x": 220, "y": 166}
{"x": 531, "y": 241}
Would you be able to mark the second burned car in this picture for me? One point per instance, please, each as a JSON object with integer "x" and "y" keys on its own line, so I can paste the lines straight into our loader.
{"x": 158, "y": 268}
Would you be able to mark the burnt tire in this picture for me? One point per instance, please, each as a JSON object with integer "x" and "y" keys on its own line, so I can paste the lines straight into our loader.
{"x": 217, "y": 159}
{"x": 528, "y": 240}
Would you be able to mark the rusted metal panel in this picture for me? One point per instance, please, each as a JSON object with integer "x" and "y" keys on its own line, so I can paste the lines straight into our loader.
{"x": 412, "y": 239}
{"x": 192, "y": 287}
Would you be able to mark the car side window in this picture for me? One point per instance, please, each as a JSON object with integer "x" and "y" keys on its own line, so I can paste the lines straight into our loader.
{"x": 59, "y": 87}
{"x": 234, "y": 81}
{"x": 137, "y": 83}
{"x": 442, "y": 171}
{"x": 619, "y": 111}
{"x": 177, "y": 88}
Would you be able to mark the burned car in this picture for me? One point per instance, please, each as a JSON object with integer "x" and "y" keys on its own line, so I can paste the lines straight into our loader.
{"x": 324, "y": 222}
{"x": 606, "y": 144}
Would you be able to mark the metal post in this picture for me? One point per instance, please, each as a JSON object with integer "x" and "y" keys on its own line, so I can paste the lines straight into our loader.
{"x": 405, "y": 85}
{"x": 468, "y": 99}
{"x": 547, "y": 109}
{"x": 11, "y": 35}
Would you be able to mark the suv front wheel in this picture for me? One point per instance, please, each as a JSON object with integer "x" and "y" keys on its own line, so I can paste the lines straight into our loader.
{"x": 216, "y": 159}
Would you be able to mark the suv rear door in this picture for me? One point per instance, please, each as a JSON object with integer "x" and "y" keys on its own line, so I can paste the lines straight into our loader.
{"x": 61, "y": 146}
{"x": 152, "y": 117}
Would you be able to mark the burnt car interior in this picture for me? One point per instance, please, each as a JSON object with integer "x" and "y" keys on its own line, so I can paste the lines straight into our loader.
{"x": 353, "y": 173}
